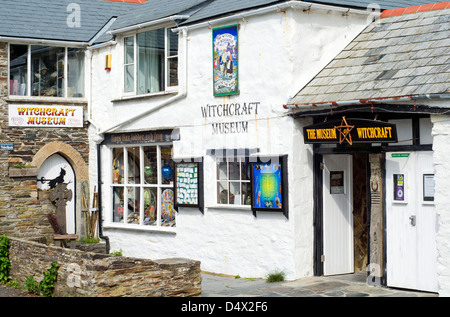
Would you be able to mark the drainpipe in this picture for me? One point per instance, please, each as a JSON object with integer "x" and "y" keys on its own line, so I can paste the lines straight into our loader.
{"x": 99, "y": 185}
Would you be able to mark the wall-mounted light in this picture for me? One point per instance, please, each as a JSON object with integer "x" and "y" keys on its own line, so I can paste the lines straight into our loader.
{"x": 108, "y": 62}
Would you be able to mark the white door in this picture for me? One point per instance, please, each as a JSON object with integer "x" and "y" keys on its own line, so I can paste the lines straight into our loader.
{"x": 411, "y": 259}
{"x": 57, "y": 169}
{"x": 337, "y": 214}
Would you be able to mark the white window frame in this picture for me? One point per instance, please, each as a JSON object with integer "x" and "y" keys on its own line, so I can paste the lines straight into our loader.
{"x": 228, "y": 160}
{"x": 29, "y": 61}
{"x": 159, "y": 188}
{"x": 167, "y": 56}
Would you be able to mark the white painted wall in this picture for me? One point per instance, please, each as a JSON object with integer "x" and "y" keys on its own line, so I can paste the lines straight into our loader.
{"x": 441, "y": 152}
{"x": 278, "y": 54}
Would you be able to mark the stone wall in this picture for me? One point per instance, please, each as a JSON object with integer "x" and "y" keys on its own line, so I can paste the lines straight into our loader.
{"x": 88, "y": 274}
{"x": 23, "y": 210}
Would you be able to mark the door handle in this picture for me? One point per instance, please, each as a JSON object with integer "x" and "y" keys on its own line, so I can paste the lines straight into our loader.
{"x": 413, "y": 220}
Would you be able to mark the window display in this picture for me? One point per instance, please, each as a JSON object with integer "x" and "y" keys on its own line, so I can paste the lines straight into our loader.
{"x": 143, "y": 176}
{"x": 49, "y": 71}
{"x": 233, "y": 182}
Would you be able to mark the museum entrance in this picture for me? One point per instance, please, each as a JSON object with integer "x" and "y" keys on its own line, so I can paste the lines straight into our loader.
{"x": 345, "y": 213}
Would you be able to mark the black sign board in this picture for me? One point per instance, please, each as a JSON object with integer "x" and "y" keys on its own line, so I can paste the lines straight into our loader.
{"x": 189, "y": 185}
{"x": 350, "y": 131}
{"x": 142, "y": 137}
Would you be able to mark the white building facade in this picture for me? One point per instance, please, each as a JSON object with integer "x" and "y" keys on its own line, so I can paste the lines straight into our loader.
{"x": 141, "y": 128}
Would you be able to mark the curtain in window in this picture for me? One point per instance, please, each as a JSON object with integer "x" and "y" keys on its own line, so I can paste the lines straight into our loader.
{"x": 150, "y": 72}
{"x": 75, "y": 69}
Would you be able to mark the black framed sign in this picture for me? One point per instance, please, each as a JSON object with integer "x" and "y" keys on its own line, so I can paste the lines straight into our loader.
{"x": 189, "y": 185}
{"x": 269, "y": 185}
{"x": 350, "y": 131}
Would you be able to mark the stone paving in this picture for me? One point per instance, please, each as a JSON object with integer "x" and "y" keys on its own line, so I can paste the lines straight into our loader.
{"x": 351, "y": 285}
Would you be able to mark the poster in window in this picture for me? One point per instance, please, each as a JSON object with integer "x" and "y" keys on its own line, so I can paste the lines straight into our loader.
{"x": 188, "y": 185}
{"x": 337, "y": 182}
{"x": 399, "y": 187}
{"x": 428, "y": 187}
{"x": 269, "y": 190}
{"x": 225, "y": 60}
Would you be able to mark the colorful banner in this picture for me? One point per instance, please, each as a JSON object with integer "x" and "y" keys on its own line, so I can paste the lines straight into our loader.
{"x": 45, "y": 116}
{"x": 225, "y": 60}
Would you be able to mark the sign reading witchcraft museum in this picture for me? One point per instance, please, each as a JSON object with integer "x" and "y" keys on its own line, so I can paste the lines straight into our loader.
{"x": 350, "y": 131}
{"x": 46, "y": 116}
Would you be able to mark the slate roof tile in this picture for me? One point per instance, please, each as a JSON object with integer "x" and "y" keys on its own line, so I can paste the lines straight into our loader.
{"x": 398, "y": 55}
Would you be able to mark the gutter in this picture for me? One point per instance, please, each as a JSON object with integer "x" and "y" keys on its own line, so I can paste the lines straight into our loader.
{"x": 148, "y": 24}
{"x": 42, "y": 41}
{"x": 278, "y": 7}
{"x": 368, "y": 101}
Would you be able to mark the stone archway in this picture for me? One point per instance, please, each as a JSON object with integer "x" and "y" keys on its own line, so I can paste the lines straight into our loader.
{"x": 79, "y": 167}
{"x": 72, "y": 156}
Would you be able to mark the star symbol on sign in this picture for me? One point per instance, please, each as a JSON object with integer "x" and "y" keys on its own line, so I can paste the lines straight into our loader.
{"x": 344, "y": 131}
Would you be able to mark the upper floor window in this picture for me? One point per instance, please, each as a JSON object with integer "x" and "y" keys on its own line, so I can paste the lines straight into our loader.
{"x": 150, "y": 62}
{"x": 47, "y": 71}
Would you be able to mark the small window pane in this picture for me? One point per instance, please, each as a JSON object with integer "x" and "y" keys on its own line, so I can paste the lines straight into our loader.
{"x": 222, "y": 192}
{"x": 75, "y": 72}
{"x": 129, "y": 78}
{"x": 167, "y": 208}
{"x": 235, "y": 193}
{"x": 150, "y": 206}
{"x": 245, "y": 171}
{"x": 134, "y": 171}
{"x": 222, "y": 170}
{"x": 129, "y": 50}
{"x": 47, "y": 71}
{"x": 150, "y": 165}
{"x": 167, "y": 169}
{"x": 118, "y": 204}
{"x": 117, "y": 166}
{"x": 246, "y": 194}
{"x": 18, "y": 61}
{"x": 133, "y": 204}
{"x": 234, "y": 170}
{"x": 172, "y": 65}
{"x": 151, "y": 56}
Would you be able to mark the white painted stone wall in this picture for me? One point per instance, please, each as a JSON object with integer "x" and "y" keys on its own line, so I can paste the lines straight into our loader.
{"x": 441, "y": 153}
{"x": 279, "y": 52}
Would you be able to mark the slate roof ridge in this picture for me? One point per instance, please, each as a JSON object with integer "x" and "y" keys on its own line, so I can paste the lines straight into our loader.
{"x": 416, "y": 9}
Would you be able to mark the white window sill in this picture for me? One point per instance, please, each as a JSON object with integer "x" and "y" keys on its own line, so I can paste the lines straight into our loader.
{"x": 146, "y": 96}
{"x": 232, "y": 207}
{"x": 37, "y": 99}
{"x": 136, "y": 227}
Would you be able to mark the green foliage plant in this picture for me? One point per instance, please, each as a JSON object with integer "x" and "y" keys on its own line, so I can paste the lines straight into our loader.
{"x": 275, "y": 277}
{"x": 47, "y": 285}
{"x": 5, "y": 264}
{"x": 31, "y": 285}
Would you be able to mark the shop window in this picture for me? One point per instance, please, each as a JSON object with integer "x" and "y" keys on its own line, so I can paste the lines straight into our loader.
{"x": 233, "y": 182}
{"x": 150, "y": 62}
{"x": 48, "y": 71}
{"x": 143, "y": 185}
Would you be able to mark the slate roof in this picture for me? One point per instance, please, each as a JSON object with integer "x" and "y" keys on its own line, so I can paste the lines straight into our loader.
{"x": 47, "y": 19}
{"x": 403, "y": 55}
{"x": 384, "y": 4}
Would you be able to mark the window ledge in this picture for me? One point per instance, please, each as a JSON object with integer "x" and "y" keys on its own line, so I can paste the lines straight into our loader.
{"x": 231, "y": 207}
{"x": 135, "y": 227}
{"x": 146, "y": 96}
{"x": 45, "y": 99}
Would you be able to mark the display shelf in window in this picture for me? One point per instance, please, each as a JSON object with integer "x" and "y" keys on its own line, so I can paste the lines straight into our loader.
{"x": 189, "y": 184}
{"x": 269, "y": 185}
